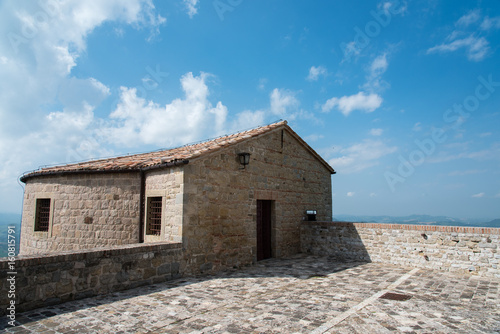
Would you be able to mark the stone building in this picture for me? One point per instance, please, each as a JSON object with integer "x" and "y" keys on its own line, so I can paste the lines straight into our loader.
{"x": 224, "y": 210}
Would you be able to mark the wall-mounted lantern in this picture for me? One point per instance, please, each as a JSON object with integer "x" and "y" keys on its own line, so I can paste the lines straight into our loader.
{"x": 244, "y": 158}
{"x": 311, "y": 215}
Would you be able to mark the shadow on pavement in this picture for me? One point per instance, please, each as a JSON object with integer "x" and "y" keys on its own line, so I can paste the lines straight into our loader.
{"x": 302, "y": 267}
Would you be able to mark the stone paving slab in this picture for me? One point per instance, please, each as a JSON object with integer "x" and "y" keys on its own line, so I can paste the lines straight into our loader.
{"x": 303, "y": 294}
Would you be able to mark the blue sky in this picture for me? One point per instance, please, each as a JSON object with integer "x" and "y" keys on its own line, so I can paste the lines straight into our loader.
{"x": 401, "y": 98}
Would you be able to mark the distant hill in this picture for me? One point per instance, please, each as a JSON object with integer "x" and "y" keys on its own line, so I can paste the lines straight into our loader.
{"x": 419, "y": 220}
{"x": 493, "y": 223}
{"x": 6, "y": 220}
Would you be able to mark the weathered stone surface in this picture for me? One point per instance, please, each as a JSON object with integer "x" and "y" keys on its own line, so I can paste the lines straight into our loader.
{"x": 168, "y": 184}
{"x": 40, "y": 279}
{"x": 445, "y": 248}
{"x": 303, "y": 294}
{"x": 210, "y": 204}
{"x": 220, "y": 208}
{"x": 111, "y": 200}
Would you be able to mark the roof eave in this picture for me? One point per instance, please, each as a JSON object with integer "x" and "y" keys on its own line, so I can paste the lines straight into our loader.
{"x": 169, "y": 164}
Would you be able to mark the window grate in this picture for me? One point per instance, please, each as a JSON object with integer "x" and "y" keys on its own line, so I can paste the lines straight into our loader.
{"x": 42, "y": 215}
{"x": 395, "y": 296}
{"x": 154, "y": 215}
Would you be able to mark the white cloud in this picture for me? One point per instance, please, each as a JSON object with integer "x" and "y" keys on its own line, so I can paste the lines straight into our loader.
{"x": 374, "y": 80}
{"x": 361, "y": 156}
{"x": 75, "y": 93}
{"x": 476, "y": 47}
{"x": 360, "y": 101}
{"x": 350, "y": 49}
{"x": 469, "y": 36}
{"x": 492, "y": 153}
{"x": 149, "y": 82}
{"x": 262, "y": 84}
{"x": 417, "y": 127}
{"x": 393, "y": 7}
{"x": 376, "y": 132}
{"x": 390, "y": 9}
{"x": 282, "y": 100}
{"x": 314, "y": 137}
{"x": 466, "y": 172}
{"x": 42, "y": 44}
{"x": 350, "y": 194}
{"x": 491, "y": 23}
{"x": 485, "y": 134}
{"x": 63, "y": 136}
{"x": 373, "y": 195}
{"x": 282, "y": 103}
{"x": 138, "y": 121}
{"x": 379, "y": 64}
{"x": 472, "y": 17}
{"x": 479, "y": 195}
{"x": 44, "y": 41}
{"x": 191, "y": 7}
{"x": 461, "y": 146}
{"x": 248, "y": 119}
{"x": 315, "y": 72}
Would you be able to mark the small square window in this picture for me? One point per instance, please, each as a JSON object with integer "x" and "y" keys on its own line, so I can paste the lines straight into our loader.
{"x": 153, "y": 224}
{"x": 42, "y": 216}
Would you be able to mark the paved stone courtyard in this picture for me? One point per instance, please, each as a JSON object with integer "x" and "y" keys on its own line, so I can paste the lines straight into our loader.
{"x": 304, "y": 294}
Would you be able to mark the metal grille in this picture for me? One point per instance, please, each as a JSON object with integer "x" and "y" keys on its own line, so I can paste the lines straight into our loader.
{"x": 395, "y": 296}
{"x": 42, "y": 214}
{"x": 154, "y": 216}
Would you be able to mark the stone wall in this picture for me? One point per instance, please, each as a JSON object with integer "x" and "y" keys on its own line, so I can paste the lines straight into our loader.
{"x": 167, "y": 183}
{"x": 42, "y": 280}
{"x": 221, "y": 199}
{"x": 209, "y": 204}
{"x": 448, "y": 248}
{"x": 88, "y": 210}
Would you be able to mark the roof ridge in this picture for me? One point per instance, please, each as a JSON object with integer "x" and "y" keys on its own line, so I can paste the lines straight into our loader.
{"x": 151, "y": 159}
{"x": 160, "y": 149}
{"x": 229, "y": 134}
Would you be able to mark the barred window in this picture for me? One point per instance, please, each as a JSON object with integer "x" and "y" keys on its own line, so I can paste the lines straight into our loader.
{"x": 42, "y": 216}
{"x": 153, "y": 226}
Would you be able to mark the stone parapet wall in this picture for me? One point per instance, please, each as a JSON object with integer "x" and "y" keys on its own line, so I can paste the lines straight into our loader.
{"x": 42, "y": 280}
{"x": 449, "y": 248}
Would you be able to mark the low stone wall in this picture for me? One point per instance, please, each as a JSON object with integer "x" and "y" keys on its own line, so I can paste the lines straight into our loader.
{"x": 450, "y": 248}
{"x": 41, "y": 280}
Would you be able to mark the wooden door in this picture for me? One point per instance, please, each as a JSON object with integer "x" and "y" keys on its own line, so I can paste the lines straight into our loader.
{"x": 264, "y": 228}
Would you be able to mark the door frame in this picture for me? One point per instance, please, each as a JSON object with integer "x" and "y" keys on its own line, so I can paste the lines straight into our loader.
{"x": 265, "y": 227}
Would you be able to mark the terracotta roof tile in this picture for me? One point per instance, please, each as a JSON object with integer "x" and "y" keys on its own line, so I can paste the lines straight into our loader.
{"x": 158, "y": 158}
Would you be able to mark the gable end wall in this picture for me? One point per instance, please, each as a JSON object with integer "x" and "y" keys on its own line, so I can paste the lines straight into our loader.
{"x": 221, "y": 199}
